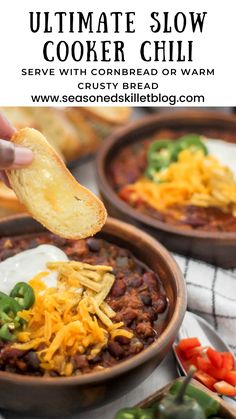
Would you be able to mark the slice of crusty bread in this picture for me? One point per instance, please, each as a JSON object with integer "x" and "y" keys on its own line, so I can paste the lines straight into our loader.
{"x": 113, "y": 115}
{"x": 51, "y": 194}
{"x": 8, "y": 201}
{"x": 18, "y": 116}
{"x": 87, "y": 137}
{"x": 58, "y": 130}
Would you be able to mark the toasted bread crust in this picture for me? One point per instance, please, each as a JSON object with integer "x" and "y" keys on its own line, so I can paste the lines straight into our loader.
{"x": 53, "y": 124}
{"x": 9, "y": 200}
{"x": 51, "y": 194}
{"x": 87, "y": 136}
{"x": 108, "y": 115}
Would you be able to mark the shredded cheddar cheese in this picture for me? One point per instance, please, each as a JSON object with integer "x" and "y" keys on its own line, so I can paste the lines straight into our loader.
{"x": 71, "y": 318}
{"x": 195, "y": 179}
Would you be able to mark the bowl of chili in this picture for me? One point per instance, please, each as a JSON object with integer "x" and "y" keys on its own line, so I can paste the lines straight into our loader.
{"x": 145, "y": 149}
{"x": 151, "y": 269}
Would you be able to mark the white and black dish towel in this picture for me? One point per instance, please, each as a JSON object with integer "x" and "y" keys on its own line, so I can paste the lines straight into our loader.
{"x": 212, "y": 295}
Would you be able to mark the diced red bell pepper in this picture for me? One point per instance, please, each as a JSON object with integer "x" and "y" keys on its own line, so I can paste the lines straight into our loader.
{"x": 182, "y": 359}
{"x": 193, "y": 361}
{"x": 138, "y": 202}
{"x": 217, "y": 373}
{"x": 180, "y": 354}
{"x": 205, "y": 379}
{"x": 215, "y": 357}
{"x": 125, "y": 193}
{"x": 230, "y": 377}
{"x": 198, "y": 350}
{"x": 227, "y": 360}
{"x": 203, "y": 364}
{"x": 225, "y": 389}
{"x": 188, "y": 343}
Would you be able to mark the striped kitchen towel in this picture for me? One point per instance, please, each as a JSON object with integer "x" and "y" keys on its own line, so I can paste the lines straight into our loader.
{"x": 212, "y": 295}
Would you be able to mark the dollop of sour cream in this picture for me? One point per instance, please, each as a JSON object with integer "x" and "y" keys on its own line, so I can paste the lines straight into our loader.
{"x": 224, "y": 151}
{"x": 25, "y": 265}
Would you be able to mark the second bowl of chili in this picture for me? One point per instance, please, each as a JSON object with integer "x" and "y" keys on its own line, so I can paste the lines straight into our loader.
{"x": 149, "y": 145}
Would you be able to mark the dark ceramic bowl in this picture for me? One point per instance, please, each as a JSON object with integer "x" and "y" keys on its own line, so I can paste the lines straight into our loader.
{"x": 214, "y": 247}
{"x": 63, "y": 396}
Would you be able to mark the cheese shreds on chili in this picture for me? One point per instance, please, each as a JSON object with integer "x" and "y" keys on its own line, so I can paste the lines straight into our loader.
{"x": 195, "y": 179}
{"x": 71, "y": 318}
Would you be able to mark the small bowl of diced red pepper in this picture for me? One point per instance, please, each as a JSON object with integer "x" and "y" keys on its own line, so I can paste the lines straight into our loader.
{"x": 216, "y": 370}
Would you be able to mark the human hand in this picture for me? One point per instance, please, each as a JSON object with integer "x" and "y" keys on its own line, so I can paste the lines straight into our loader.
{"x": 11, "y": 156}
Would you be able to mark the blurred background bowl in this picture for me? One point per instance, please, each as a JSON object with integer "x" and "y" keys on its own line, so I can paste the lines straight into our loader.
{"x": 214, "y": 247}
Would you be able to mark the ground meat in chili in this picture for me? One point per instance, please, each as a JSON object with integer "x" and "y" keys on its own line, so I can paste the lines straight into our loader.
{"x": 137, "y": 297}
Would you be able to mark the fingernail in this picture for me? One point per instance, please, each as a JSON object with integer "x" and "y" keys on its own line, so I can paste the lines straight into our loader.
{"x": 23, "y": 156}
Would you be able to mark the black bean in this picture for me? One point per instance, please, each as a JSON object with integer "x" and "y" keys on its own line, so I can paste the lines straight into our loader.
{"x": 146, "y": 299}
{"x": 94, "y": 244}
{"x": 32, "y": 360}
{"x": 96, "y": 360}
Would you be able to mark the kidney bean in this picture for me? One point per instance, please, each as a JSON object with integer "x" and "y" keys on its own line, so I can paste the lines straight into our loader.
{"x": 118, "y": 288}
{"x": 159, "y": 303}
{"x": 8, "y": 353}
{"x": 151, "y": 281}
{"x": 115, "y": 349}
{"x": 123, "y": 340}
{"x": 81, "y": 361}
{"x": 136, "y": 281}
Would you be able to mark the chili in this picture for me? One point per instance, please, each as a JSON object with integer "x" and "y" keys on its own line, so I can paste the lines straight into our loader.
{"x": 137, "y": 298}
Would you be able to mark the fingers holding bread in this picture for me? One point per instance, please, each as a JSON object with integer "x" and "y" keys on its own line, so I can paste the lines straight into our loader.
{"x": 51, "y": 194}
